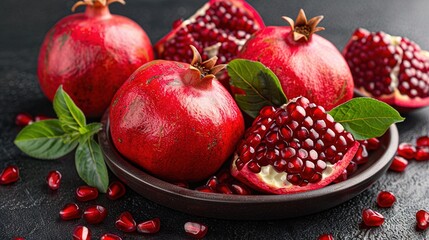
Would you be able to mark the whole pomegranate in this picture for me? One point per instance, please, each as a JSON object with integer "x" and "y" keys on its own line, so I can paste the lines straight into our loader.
{"x": 295, "y": 148}
{"x": 219, "y": 28}
{"x": 175, "y": 120}
{"x": 390, "y": 68}
{"x": 91, "y": 54}
{"x": 305, "y": 63}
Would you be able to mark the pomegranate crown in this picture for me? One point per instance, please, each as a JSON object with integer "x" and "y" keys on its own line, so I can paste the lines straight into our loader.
{"x": 95, "y": 3}
{"x": 303, "y": 29}
{"x": 208, "y": 68}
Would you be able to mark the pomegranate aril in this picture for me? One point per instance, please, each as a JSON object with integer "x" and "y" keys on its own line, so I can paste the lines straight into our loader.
{"x": 18, "y": 238}
{"x": 240, "y": 189}
{"x": 205, "y": 189}
{"x": 224, "y": 188}
{"x": 86, "y": 193}
{"x": 212, "y": 182}
{"x": 373, "y": 144}
{"x": 126, "y": 222}
{"x": 150, "y": 226}
{"x": 109, "y": 236}
{"x": 385, "y": 199}
{"x": 70, "y": 211}
{"x": 422, "y": 218}
{"x": 422, "y": 154}
{"x": 116, "y": 190}
{"x": 422, "y": 141}
{"x": 398, "y": 164}
{"x": 9, "y": 175}
{"x": 361, "y": 156}
{"x": 95, "y": 214}
{"x": 407, "y": 151}
{"x": 23, "y": 119}
{"x": 81, "y": 233}
{"x": 372, "y": 218}
{"x": 195, "y": 230}
{"x": 54, "y": 180}
{"x": 326, "y": 237}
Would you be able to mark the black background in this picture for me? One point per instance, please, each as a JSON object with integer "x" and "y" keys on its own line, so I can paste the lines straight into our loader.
{"x": 28, "y": 209}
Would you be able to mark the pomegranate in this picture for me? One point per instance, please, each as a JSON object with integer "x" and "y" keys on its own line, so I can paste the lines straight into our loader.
{"x": 23, "y": 119}
{"x": 175, "y": 120}
{"x": 372, "y": 218}
{"x": 294, "y": 148}
{"x": 150, "y": 226}
{"x": 54, "y": 180}
{"x": 385, "y": 199}
{"x": 301, "y": 58}
{"x": 86, "y": 193}
{"x": 116, "y": 190}
{"x": 196, "y": 230}
{"x": 9, "y": 175}
{"x": 126, "y": 222}
{"x": 81, "y": 233}
{"x": 390, "y": 68}
{"x": 219, "y": 28}
{"x": 398, "y": 164}
{"x": 70, "y": 211}
{"x": 91, "y": 54}
{"x": 95, "y": 214}
{"x": 422, "y": 218}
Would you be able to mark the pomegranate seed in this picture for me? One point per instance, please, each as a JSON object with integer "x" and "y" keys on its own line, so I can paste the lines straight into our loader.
{"x": 398, "y": 164}
{"x": 81, "y": 233}
{"x": 23, "y": 119}
{"x": 422, "y": 218}
{"x": 422, "y": 154}
{"x": 39, "y": 118}
{"x": 212, "y": 182}
{"x": 125, "y": 222}
{"x": 385, "y": 199}
{"x": 240, "y": 189}
{"x": 109, "y": 236}
{"x": 9, "y": 175}
{"x": 116, "y": 190}
{"x": 422, "y": 141}
{"x": 54, "y": 180}
{"x": 95, "y": 214}
{"x": 18, "y": 238}
{"x": 406, "y": 150}
{"x": 373, "y": 144}
{"x": 205, "y": 189}
{"x": 86, "y": 193}
{"x": 70, "y": 211}
{"x": 150, "y": 226}
{"x": 326, "y": 237}
{"x": 196, "y": 230}
{"x": 372, "y": 218}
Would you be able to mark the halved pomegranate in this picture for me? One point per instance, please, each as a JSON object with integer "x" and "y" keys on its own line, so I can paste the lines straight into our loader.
{"x": 294, "y": 148}
{"x": 390, "y": 68}
{"x": 220, "y": 28}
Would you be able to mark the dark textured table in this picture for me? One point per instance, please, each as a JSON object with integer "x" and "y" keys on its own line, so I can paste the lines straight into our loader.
{"x": 30, "y": 210}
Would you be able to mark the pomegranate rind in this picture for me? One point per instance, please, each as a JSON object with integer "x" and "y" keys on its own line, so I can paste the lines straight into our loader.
{"x": 255, "y": 181}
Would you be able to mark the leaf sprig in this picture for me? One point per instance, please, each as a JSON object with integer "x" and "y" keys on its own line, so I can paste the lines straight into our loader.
{"x": 55, "y": 138}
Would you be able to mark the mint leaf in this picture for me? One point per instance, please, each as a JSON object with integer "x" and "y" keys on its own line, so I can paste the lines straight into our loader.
{"x": 261, "y": 86}
{"x": 365, "y": 117}
{"x": 71, "y": 117}
{"x": 90, "y": 165}
{"x": 89, "y": 131}
{"x": 45, "y": 140}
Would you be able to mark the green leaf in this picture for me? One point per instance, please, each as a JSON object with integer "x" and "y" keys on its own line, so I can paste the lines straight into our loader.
{"x": 365, "y": 117}
{"x": 90, "y": 165}
{"x": 71, "y": 117}
{"x": 261, "y": 86}
{"x": 89, "y": 131}
{"x": 45, "y": 140}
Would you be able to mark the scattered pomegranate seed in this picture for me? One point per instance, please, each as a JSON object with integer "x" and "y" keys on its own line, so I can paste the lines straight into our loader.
{"x": 422, "y": 154}
{"x": 422, "y": 218}
{"x": 372, "y": 218}
{"x": 406, "y": 150}
{"x": 422, "y": 141}
{"x": 385, "y": 199}
{"x": 39, "y": 118}
{"x": 116, "y": 190}
{"x": 398, "y": 164}
{"x": 23, "y": 119}
{"x": 70, "y": 211}
{"x": 326, "y": 237}
{"x": 95, "y": 214}
{"x": 150, "y": 226}
{"x": 18, "y": 238}
{"x": 86, "y": 193}
{"x": 196, "y": 230}
{"x": 54, "y": 180}
{"x": 9, "y": 175}
{"x": 373, "y": 144}
{"x": 81, "y": 233}
{"x": 126, "y": 222}
{"x": 109, "y": 236}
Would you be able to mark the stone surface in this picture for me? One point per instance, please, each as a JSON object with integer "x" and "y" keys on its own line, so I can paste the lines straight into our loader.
{"x": 29, "y": 209}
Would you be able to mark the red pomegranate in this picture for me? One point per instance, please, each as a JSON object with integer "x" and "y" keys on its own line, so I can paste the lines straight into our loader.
{"x": 175, "y": 120}
{"x": 91, "y": 54}
{"x": 295, "y": 148}
{"x": 219, "y": 28}
{"x": 305, "y": 63}
{"x": 390, "y": 68}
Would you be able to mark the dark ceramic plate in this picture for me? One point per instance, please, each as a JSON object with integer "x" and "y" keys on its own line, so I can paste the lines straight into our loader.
{"x": 252, "y": 207}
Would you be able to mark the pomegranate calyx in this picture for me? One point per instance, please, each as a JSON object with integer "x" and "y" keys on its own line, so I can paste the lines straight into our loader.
{"x": 205, "y": 70}
{"x": 303, "y": 28}
{"x": 95, "y": 3}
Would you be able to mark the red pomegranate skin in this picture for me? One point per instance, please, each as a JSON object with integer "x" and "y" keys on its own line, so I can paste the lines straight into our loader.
{"x": 91, "y": 54}
{"x": 172, "y": 125}
{"x": 314, "y": 68}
